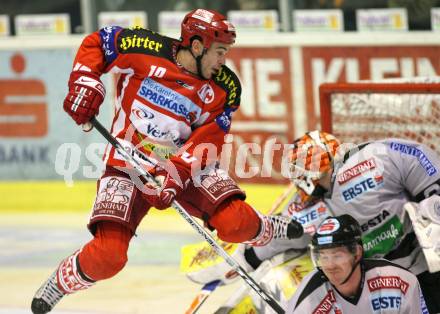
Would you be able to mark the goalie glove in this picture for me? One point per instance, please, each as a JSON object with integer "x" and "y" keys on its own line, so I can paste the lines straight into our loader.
{"x": 430, "y": 209}
{"x": 425, "y": 217}
{"x": 86, "y": 94}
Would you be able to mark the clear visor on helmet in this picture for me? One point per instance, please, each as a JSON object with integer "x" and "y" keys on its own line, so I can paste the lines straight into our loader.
{"x": 324, "y": 257}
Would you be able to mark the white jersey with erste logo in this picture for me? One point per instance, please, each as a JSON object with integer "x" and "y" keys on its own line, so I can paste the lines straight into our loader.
{"x": 385, "y": 288}
{"x": 374, "y": 183}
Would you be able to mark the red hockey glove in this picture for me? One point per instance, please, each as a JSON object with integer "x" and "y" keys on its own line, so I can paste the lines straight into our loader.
{"x": 86, "y": 94}
{"x": 174, "y": 180}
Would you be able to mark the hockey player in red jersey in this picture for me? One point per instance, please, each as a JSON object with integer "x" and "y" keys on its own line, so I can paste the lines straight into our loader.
{"x": 173, "y": 97}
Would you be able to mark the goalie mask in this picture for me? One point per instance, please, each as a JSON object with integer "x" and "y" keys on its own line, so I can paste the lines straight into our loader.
{"x": 310, "y": 158}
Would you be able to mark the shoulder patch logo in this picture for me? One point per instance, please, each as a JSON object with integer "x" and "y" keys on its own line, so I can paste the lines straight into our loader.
{"x": 107, "y": 35}
{"x": 206, "y": 93}
{"x": 227, "y": 79}
{"x": 417, "y": 153}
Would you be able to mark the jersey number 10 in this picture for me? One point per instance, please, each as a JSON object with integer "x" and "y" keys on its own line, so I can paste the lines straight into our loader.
{"x": 157, "y": 71}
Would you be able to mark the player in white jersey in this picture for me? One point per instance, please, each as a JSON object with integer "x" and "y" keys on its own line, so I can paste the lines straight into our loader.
{"x": 372, "y": 182}
{"x": 344, "y": 282}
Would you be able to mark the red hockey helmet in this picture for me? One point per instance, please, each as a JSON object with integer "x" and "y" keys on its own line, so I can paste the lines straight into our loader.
{"x": 209, "y": 25}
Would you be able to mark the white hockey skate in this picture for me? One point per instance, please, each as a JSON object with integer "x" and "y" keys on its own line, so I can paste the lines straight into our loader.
{"x": 284, "y": 228}
{"x": 276, "y": 228}
{"x": 47, "y": 296}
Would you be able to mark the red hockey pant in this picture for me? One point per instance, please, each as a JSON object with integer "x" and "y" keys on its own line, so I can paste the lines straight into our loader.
{"x": 106, "y": 254}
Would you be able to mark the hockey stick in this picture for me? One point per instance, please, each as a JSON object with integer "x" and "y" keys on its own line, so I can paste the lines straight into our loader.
{"x": 209, "y": 287}
{"x": 201, "y": 297}
{"x": 242, "y": 290}
{"x": 208, "y": 237}
{"x": 280, "y": 200}
{"x": 259, "y": 274}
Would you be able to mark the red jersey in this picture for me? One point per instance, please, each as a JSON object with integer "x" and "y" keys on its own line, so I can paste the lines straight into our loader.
{"x": 160, "y": 106}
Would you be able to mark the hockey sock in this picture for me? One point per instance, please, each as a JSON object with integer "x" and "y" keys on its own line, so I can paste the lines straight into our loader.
{"x": 69, "y": 276}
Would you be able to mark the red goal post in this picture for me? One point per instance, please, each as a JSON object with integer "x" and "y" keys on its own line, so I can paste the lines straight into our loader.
{"x": 369, "y": 110}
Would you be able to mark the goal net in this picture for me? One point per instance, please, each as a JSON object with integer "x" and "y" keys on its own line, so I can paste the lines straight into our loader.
{"x": 369, "y": 110}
